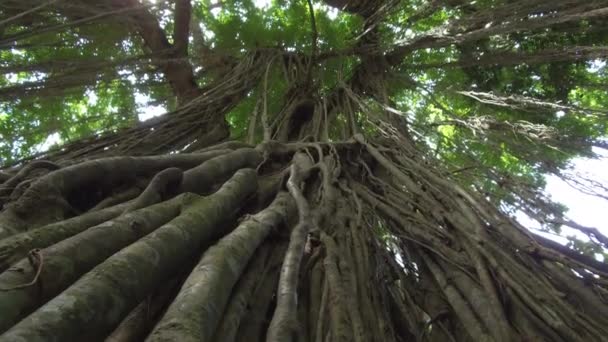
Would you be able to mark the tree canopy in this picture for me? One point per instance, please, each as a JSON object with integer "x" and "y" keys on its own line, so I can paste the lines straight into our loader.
{"x": 501, "y": 92}
{"x": 493, "y": 94}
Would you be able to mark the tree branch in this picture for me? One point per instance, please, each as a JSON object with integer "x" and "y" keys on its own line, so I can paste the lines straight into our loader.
{"x": 284, "y": 322}
{"x": 573, "y": 53}
{"x": 176, "y": 68}
{"x": 314, "y": 37}
{"x": 181, "y": 30}
{"x": 436, "y": 41}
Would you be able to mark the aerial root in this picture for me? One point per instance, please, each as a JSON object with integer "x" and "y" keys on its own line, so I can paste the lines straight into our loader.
{"x": 196, "y": 312}
{"x": 138, "y": 323}
{"x": 160, "y": 187}
{"x": 16, "y": 247}
{"x": 283, "y": 324}
{"x": 103, "y": 296}
{"x": 338, "y": 309}
{"x": 9, "y": 185}
{"x": 36, "y": 260}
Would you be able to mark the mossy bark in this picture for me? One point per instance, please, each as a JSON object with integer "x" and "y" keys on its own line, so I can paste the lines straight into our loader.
{"x": 340, "y": 322}
{"x": 198, "y": 308}
{"x": 242, "y": 295}
{"x": 142, "y": 318}
{"x": 15, "y": 248}
{"x": 197, "y": 179}
{"x": 47, "y": 195}
{"x": 69, "y": 259}
{"x": 98, "y": 301}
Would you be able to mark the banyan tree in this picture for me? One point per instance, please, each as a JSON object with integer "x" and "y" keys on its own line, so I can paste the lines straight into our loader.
{"x": 327, "y": 170}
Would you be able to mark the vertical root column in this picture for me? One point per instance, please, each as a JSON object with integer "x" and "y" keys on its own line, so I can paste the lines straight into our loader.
{"x": 197, "y": 310}
{"x": 283, "y": 326}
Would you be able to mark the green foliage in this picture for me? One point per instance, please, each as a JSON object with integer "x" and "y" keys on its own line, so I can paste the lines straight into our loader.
{"x": 71, "y": 81}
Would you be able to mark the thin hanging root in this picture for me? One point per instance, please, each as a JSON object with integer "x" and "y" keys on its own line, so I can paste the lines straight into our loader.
{"x": 498, "y": 324}
{"x": 265, "y": 122}
{"x": 362, "y": 257}
{"x": 321, "y": 328}
{"x": 340, "y": 327}
{"x": 316, "y": 280}
{"x": 468, "y": 318}
{"x": 379, "y": 305}
{"x": 283, "y": 325}
{"x": 479, "y": 301}
{"x": 253, "y": 122}
{"x": 350, "y": 288}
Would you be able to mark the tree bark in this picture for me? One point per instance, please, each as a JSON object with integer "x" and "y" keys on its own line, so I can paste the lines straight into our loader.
{"x": 99, "y": 300}
{"x": 196, "y": 312}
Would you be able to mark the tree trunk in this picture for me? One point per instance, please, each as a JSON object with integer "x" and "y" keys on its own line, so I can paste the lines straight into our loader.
{"x": 385, "y": 246}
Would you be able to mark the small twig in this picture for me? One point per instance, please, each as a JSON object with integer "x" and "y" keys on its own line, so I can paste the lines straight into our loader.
{"x": 37, "y": 261}
{"x": 24, "y": 13}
